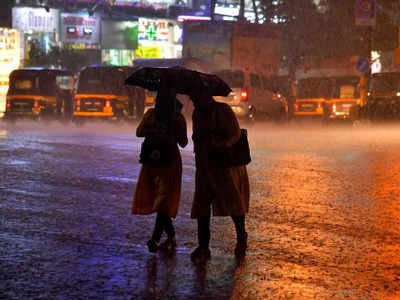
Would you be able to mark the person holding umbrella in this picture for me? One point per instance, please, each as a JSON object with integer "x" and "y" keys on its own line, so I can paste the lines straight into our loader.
{"x": 159, "y": 187}
{"x": 225, "y": 190}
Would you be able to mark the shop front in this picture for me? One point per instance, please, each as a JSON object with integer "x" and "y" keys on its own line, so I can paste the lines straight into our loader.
{"x": 38, "y": 26}
{"x": 119, "y": 41}
{"x": 159, "y": 38}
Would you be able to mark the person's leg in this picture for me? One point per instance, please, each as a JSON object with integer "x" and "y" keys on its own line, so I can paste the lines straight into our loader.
{"x": 170, "y": 242}
{"x": 241, "y": 235}
{"x": 157, "y": 232}
{"x": 169, "y": 227}
{"x": 202, "y": 252}
{"x": 203, "y": 231}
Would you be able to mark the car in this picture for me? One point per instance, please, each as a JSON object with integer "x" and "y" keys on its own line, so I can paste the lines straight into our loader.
{"x": 251, "y": 98}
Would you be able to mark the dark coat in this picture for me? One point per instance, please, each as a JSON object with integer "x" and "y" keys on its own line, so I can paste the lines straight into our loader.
{"x": 226, "y": 190}
{"x": 159, "y": 189}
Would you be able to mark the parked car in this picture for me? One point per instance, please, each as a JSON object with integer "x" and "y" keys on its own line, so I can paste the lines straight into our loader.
{"x": 102, "y": 94}
{"x": 249, "y": 99}
{"x": 39, "y": 93}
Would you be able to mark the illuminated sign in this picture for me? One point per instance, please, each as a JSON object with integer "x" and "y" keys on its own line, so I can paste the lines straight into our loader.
{"x": 149, "y": 52}
{"x": 80, "y": 28}
{"x": 192, "y": 18}
{"x": 30, "y": 19}
{"x": 154, "y": 29}
{"x": 9, "y": 51}
{"x": 10, "y": 55}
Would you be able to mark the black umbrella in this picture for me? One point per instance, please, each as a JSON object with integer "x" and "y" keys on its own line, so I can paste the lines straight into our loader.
{"x": 184, "y": 81}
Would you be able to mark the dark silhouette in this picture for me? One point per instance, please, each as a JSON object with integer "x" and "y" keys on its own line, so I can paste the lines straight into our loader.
{"x": 159, "y": 188}
{"x": 225, "y": 190}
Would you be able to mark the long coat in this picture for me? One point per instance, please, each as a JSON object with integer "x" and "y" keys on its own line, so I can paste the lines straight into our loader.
{"x": 226, "y": 190}
{"x": 159, "y": 189}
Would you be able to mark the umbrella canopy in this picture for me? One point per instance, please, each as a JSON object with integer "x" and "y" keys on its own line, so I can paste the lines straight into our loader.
{"x": 184, "y": 81}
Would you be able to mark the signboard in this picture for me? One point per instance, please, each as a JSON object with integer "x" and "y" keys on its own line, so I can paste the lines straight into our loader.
{"x": 30, "y": 19}
{"x": 149, "y": 52}
{"x": 80, "y": 29}
{"x": 365, "y": 12}
{"x": 210, "y": 41}
{"x": 119, "y": 35}
{"x": 10, "y": 55}
{"x": 154, "y": 29}
{"x": 362, "y": 65}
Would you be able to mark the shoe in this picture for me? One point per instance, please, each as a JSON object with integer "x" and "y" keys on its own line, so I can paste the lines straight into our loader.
{"x": 200, "y": 254}
{"x": 169, "y": 244}
{"x": 152, "y": 245}
{"x": 241, "y": 247}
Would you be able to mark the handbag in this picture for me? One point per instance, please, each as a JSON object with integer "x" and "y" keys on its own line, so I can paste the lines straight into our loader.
{"x": 157, "y": 151}
{"x": 236, "y": 155}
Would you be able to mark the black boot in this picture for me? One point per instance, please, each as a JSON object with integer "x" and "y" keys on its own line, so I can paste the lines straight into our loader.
{"x": 152, "y": 244}
{"x": 202, "y": 253}
{"x": 241, "y": 236}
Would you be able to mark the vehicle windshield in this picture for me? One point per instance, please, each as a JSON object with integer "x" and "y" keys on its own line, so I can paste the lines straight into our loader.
{"x": 102, "y": 81}
{"x": 346, "y": 87}
{"x": 235, "y": 79}
{"x": 385, "y": 82}
{"x": 314, "y": 88}
{"x": 24, "y": 84}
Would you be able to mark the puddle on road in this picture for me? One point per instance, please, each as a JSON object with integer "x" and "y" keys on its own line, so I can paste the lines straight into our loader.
{"x": 3, "y": 133}
{"x": 120, "y": 179}
{"x": 28, "y": 193}
{"x": 16, "y": 162}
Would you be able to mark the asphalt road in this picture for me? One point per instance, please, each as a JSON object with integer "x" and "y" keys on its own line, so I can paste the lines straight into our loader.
{"x": 323, "y": 220}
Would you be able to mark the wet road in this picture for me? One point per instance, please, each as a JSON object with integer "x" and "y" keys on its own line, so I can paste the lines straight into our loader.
{"x": 323, "y": 222}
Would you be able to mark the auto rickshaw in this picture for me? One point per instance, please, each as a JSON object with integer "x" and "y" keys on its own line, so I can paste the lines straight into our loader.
{"x": 311, "y": 95}
{"x": 345, "y": 95}
{"x": 39, "y": 93}
{"x": 383, "y": 98}
{"x": 102, "y": 94}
